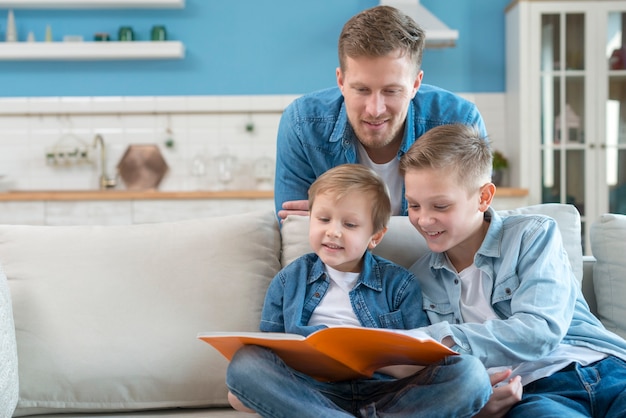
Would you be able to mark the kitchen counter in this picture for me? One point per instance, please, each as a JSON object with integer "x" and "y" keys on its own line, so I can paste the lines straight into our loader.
{"x": 83, "y": 195}
{"x": 125, "y": 207}
{"x": 80, "y": 195}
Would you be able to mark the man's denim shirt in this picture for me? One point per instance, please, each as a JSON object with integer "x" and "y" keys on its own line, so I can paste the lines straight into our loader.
{"x": 386, "y": 295}
{"x": 314, "y": 135}
{"x": 533, "y": 290}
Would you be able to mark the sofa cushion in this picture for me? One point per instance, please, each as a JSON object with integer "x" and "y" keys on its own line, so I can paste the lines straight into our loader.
{"x": 608, "y": 245}
{"x": 8, "y": 352}
{"x": 404, "y": 245}
{"x": 107, "y": 316}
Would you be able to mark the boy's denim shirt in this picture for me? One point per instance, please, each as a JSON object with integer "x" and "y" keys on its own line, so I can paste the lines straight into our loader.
{"x": 533, "y": 290}
{"x": 314, "y": 135}
{"x": 386, "y": 295}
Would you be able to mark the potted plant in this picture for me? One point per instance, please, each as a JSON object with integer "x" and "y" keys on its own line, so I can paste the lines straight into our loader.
{"x": 500, "y": 165}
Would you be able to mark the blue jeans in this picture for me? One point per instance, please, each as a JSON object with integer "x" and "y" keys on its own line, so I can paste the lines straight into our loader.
{"x": 596, "y": 390}
{"x": 456, "y": 387}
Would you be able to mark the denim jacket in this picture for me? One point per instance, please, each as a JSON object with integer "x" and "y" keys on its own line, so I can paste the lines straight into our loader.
{"x": 314, "y": 135}
{"x": 533, "y": 291}
{"x": 385, "y": 295}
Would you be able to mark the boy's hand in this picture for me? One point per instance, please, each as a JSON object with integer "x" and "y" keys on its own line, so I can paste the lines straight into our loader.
{"x": 503, "y": 397}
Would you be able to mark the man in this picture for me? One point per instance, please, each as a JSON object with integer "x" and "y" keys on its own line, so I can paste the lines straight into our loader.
{"x": 376, "y": 113}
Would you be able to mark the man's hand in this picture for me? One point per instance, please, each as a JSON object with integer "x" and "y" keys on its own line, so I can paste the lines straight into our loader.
{"x": 294, "y": 207}
{"x": 503, "y": 397}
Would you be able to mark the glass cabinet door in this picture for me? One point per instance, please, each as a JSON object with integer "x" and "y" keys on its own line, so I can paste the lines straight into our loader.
{"x": 614, "y": 145}
{"x": 562, "y": 99}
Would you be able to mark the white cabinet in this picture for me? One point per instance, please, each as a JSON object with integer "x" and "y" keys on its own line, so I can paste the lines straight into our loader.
{"x": 123, "y": 207}
{"x": 566, "y": 101}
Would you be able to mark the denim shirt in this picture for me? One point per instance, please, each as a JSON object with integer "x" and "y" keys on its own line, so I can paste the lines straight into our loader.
{"x": 314, "y": 135}
{"x": 385, "y": 295}
{"x": 533, "y": 291}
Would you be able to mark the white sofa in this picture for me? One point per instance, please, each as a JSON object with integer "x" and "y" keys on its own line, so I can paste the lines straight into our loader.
{"x": 104, "y": 318}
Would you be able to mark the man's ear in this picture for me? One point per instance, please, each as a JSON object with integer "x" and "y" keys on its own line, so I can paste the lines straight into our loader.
{"x": 377, "y": 238}
{"x": 418, "y": 81}
{"x": 487, "y": 192}
{"x": 339, "y": 76}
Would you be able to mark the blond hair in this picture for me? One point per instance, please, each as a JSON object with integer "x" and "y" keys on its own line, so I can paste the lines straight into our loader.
{"x": 348, "y": 178}
{"x": 378, "y": 32}
{"x": 459, "y": 149}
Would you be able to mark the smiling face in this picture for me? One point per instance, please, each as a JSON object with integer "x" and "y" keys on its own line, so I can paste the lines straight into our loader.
{"x": 341, "y": 230}
{"x": 447, "y": 215}
{"x": 377, "y": 92}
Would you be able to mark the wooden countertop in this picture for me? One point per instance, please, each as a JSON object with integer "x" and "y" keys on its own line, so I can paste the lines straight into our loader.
{"x": 78, "y": 195}
{"x": 511, "y": 192}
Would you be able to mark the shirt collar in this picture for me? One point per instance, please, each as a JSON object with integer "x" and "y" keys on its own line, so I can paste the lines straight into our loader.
{"x": 370, "y": 274}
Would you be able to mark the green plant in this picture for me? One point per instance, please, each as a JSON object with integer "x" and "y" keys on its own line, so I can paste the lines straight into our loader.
{"x": 500, "y": 162}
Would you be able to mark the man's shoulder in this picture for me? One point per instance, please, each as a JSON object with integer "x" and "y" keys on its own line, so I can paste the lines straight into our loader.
{"x": 319, "y": 103}
{"x": 429, "y": 93}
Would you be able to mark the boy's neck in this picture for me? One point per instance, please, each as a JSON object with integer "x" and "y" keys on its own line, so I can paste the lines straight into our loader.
{"x": 462, "y": 256}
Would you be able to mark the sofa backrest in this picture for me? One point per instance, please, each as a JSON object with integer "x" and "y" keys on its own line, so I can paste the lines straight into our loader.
{"x": 404, "y": 245}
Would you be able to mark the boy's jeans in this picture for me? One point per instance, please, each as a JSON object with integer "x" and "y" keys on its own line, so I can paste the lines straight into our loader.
{"x": 596, "y": 390}
{"x": 456, "y": 387}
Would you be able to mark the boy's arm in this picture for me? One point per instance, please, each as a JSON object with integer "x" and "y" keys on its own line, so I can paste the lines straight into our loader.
{"x": 411, "y": 304}
{"x": 537, "y": 316}
{"x": 272, "y": 319}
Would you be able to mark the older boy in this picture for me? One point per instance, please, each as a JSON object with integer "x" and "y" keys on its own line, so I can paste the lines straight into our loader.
{"x": 342, "y": 283}
{"x": 501, "y": 287}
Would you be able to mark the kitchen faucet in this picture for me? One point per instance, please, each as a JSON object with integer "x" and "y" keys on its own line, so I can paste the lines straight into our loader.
{"x": 105, "y": 181}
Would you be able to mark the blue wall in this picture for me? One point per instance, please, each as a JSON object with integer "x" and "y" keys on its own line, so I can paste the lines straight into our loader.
{"x": 245, "y": 47}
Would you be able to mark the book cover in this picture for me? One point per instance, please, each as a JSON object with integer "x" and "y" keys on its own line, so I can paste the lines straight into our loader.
{"x": 337, "y": 353}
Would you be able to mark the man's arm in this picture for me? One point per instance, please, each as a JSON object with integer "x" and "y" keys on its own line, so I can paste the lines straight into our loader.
{"x": 294, "y": 175}
{"x": 294, "y": 207}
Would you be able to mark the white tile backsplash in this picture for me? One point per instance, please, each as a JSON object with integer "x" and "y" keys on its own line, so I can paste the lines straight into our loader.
{"x": 204, "y": 126}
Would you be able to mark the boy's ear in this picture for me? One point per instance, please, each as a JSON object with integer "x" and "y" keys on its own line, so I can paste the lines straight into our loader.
{"x": 376, "y": 238}
{"x": 487, "y": 192}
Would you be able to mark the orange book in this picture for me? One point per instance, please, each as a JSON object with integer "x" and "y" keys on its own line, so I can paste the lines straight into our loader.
{"x": 337, "y": 353}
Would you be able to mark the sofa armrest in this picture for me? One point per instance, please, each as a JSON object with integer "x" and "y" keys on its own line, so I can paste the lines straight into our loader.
{"x": 588, "y": 291}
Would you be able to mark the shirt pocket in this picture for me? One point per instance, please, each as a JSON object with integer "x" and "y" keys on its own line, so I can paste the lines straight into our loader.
{"x": 391, "y": 320}
{"x": 504, "y": 289}
{"x": 439, "y": 311}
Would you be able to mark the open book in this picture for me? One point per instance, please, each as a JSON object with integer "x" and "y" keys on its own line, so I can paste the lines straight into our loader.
{"x": 337, "y": 353}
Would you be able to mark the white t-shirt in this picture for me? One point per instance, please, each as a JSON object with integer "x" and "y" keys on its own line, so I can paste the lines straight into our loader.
{"x": 335, "y": 308}
{"x": 390, "y": 173}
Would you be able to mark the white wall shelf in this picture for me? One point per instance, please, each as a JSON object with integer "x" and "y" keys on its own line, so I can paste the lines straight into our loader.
{"x": 91, "y": 4}
{"x": 88, "y": 51}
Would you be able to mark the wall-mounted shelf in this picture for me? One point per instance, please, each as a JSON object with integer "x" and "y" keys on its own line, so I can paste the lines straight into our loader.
{"x": 91, "y": 4}
{"x": 88, "y": 51}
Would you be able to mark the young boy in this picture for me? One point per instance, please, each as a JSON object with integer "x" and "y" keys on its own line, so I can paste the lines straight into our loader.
{"x": 501, "y": 287}
{"x": 342, "y": 283}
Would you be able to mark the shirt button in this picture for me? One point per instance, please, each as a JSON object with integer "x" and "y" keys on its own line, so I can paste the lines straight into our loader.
{"x": 432, "y": 306}
{"x": 317, "y": 295}
{"x": 456, "y": 281}
{"x": 508, "y": 291}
